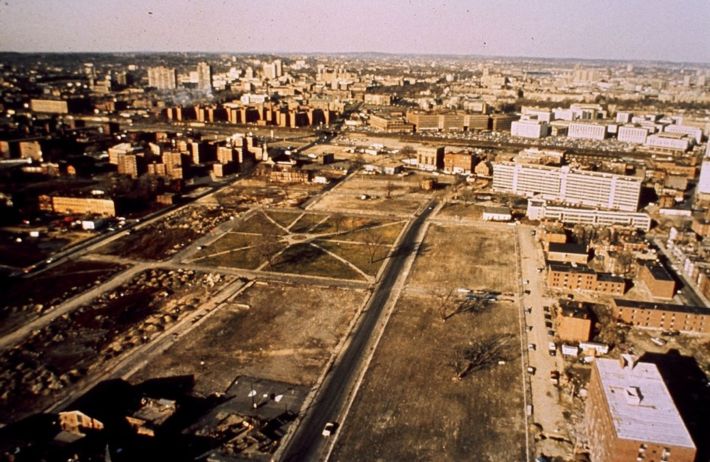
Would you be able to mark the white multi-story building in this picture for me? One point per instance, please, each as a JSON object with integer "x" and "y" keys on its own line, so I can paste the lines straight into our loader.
{"x": 544, "y": 115}
{"x": 204, "y": 76}
{"x": 538, "y": 209}
{"x": 586, "y": 131}
{"x": 529, "y": 129}
{"x": 623, "y": 117}
{"x": 669, "y": 141}
{"x": 162, "y": 78}
{"x": 693, "y": 132}
{"x": 632, "y": 134}
{"x": 703, "y": 186}
{"x": 571, "y": 186}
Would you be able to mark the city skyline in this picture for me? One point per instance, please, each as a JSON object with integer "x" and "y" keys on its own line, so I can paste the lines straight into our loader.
{"x": 656, "y": 31}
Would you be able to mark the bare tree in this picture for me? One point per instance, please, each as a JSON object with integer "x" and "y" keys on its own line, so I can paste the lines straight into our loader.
{"x": 389, "y": 188}
{"x": 479, "y": 355}
{"x": 476, "y": 305}
{"x": 445, "y": 301}
{"x": 373, "y": 241}
{"x": 407, "y": 150}
{"x": 269, "y": 248}
{"x": 338, "y": 220}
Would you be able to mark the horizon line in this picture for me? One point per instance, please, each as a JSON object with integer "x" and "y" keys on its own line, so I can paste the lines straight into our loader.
{"x": 333, "y": 53}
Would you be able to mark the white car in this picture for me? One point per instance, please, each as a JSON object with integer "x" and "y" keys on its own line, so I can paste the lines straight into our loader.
{"x": 329, "y": 429}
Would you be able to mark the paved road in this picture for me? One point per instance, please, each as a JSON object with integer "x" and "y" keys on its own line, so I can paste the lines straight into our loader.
{"x": 688, "y": 290}
{"x": 307, "y": 443}
{"x": 546, "y": 409}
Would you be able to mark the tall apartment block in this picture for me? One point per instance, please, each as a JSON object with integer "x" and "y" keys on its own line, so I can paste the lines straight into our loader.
{"x": 162, "y": 78}
{"x": 630, "y": 415}
{"x": 571, "y": 186}
{"x": 204, "y": 76}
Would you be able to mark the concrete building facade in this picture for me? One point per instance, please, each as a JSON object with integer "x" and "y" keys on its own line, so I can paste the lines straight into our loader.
{"x": 571, "y": 186}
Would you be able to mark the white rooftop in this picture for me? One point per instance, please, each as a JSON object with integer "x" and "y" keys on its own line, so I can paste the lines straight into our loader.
{"x": 641, "y": 406}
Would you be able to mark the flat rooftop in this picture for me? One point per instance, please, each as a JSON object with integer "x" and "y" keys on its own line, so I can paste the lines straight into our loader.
{"x": 641, "y": 407}
{"x": 623, "y": 303}
{"x": 658, "y": 271}
{"x": 579, "y": 249}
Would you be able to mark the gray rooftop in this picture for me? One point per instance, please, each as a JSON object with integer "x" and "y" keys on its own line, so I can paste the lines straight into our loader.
{"x": 640, "y": 405}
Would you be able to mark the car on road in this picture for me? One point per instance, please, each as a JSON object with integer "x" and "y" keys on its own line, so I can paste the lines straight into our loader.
{"x": 551, "y": 333}
{"x": 531, "y": 346}
{"x": 526, "y": 292}
{"x": 329, "y": 429}
{"x": 555, "y": 377}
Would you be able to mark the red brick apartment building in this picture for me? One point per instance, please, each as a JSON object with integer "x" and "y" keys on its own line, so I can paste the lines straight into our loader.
{"x": 459, "y": 162}
{"x": 574, "y": 321}
{"x": 657, "y": 279}
{"x": 630, "y": 415}
{"x": 662, "y": 316}
{"x": 580, "y": 277}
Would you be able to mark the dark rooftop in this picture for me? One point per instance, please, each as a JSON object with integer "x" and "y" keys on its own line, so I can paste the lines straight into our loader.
{"x": 658, "y": 271}
{"x": 580, "y": 249}
{"x": 623, "y": 303}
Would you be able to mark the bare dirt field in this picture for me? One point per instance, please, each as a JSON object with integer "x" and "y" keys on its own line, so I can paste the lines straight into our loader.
{"x": 387, "y": 195}
{"x": 276, "y": 332}
{"x": 26, "y": 298}
{"x": 474, "y": 257}
{"x": 256, "y": 191}
{"x": 410, "y": 405}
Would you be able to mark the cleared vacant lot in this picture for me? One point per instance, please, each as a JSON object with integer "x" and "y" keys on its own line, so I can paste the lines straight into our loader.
{"x": 387, "y": 195}
{"x": 475, "y": 257}
{"x": 317, "y": 244}
{"x": 410, "y": 405}
{"x": 276, "y": 332}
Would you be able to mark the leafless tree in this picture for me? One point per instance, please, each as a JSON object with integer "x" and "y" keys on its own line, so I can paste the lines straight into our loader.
{"x": 338, "y": 220}
{"x": 445, "y": 301}
{"x": 373, "y": 241}
{"x": 389, "y": 188}
{"x": 479, "y": 355}
{"x": 467, "y": 306}
{"x": 407, "y": 151}
{"x": 269, "y": 248}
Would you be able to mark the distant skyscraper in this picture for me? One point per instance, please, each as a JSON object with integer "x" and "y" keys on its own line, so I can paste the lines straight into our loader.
{"x": 272, "y": 70}
{"x": 204, "y": 76}
{"x": 162, "y": 78}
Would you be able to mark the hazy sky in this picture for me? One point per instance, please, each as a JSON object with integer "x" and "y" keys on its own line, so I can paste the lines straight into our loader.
{"x": 674, "y": 30}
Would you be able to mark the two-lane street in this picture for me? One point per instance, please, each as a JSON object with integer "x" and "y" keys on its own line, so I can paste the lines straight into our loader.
{"x": 308, "y": 443}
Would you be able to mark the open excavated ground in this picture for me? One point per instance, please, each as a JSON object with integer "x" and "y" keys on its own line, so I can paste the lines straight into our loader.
{"x": 386, "y": 195}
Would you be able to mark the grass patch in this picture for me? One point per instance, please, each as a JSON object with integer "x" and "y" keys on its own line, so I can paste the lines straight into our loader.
{"x": 258, "y": 223}
{"x": 283, "y": 217}
{"x": 359, "y": 254}
{"x": 228, "y": 241}
{"x": 386, "y": 234}
{"x": 306, "y": 222}
{"x": 309, "y": 260}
